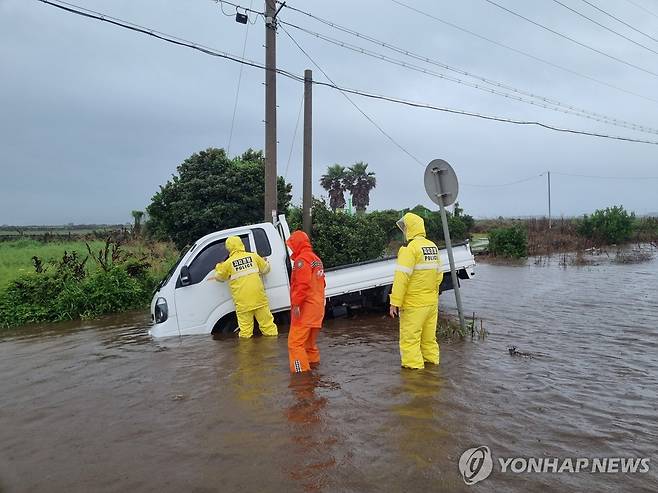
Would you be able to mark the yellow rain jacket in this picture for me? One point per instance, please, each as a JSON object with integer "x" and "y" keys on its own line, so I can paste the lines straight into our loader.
{"x": 242, "y": 269}
{"x": 418, "y": 271}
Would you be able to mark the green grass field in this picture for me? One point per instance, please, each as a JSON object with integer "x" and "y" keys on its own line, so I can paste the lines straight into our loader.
{"x": 16, "y": 256}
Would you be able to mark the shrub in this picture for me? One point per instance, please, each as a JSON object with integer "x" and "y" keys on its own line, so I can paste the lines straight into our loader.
{"x": 67, "y": 289}
{"x": 386, "y": 220}
{"x": 607, "y": 226}
{"x": 340, "y": 238}
{"x": 646, "y": 229}
{"x": 509, "y": 242}
{"x": 460, "y": 225}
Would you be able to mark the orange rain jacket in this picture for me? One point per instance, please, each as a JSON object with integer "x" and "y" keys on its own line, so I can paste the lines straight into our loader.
{"x": 307, "y": 282}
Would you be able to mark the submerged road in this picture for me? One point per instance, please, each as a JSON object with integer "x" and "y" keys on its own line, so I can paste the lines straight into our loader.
{"x": 99, "y": 406}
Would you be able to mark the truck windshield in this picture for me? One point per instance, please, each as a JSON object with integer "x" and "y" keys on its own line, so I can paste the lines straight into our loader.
{"x": 171, "y": 271}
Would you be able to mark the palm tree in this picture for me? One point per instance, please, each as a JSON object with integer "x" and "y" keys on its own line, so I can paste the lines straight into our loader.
{"x": 334, "y": 183}
{"x": 137, "y": 216}
{"x": 359, "y": 181}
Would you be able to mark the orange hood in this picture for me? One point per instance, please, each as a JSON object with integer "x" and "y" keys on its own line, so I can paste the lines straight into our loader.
{"x": 298, "y": 242}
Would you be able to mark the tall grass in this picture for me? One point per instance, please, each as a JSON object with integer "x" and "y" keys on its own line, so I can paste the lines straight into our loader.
{"x": 61, "y": 281}
{"x": 16, "y": 256}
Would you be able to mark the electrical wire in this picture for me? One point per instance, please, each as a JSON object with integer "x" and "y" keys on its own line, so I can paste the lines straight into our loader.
{"x": 605, "y": 27}
{"x": 534, "y": 177}
{"x": 545, "y": 103}
{"x": 435, "y": 62}
{"x": 216, "y": 53}
{"x": 619, "y": 20}
{"x": 294, "y": 138}
{"x": 569, "y": 38}
{"x": 236, "y": 6}
{"x": 368, "y": 117}
{"x": 221, "y": 6}
{"x": 521, "y": 52}
{"x": 606, "y": 177}
{"x": 643, "y": 8}
{"x": 237, "y": 91}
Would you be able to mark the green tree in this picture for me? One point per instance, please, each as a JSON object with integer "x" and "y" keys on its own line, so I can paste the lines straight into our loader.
{"x": 137, "y": 216}
{"x": 212, "y": 192}
{"x": 334, "y": 183}
{"x": 359, "y": 181}
{"x": 609, "y": 225}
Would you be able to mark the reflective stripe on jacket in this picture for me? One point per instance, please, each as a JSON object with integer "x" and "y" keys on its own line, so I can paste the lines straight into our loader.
{"x": 242, "y": 270}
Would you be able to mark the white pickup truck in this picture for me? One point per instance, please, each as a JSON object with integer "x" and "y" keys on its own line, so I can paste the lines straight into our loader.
{"x": 185, "y": 304}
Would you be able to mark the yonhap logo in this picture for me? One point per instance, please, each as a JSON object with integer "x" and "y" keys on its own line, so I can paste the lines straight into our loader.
{"x": 475, "y": 464}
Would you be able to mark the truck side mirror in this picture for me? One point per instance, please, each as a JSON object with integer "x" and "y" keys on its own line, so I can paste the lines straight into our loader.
{"x": 185, "y": 276}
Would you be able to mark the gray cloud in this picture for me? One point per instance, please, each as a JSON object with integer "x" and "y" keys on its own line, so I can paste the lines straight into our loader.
{"x": 95, "y": 118}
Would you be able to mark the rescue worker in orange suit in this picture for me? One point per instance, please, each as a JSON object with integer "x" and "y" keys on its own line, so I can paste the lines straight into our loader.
{"x": 415, "y": 294}
{"x": 242, "y": 270}
{"x": 307, "y": 303}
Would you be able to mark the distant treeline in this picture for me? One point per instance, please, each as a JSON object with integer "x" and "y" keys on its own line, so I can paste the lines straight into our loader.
{"x": 62, "y": 233}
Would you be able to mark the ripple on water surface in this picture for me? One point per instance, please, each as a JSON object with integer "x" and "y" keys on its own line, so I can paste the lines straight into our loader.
{"x": 100, "y": 406}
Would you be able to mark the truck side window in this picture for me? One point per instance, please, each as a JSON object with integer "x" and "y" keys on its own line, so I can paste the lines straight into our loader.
{"x": 210, "y": 256}
{"x": 263, "y": 247}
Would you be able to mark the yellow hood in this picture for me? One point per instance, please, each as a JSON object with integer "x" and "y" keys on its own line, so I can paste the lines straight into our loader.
{"x": 413, "y": 226}
{"x": 234, "y": 244}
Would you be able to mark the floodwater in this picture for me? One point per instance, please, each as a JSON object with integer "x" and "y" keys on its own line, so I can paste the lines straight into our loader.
{"x": 99, "y": 406}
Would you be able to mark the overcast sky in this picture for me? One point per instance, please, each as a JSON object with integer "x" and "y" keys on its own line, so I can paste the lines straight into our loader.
{"x": 93, "y": 118}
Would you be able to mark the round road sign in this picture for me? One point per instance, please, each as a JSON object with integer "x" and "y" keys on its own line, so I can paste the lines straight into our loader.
{"x": 441, "y": 182}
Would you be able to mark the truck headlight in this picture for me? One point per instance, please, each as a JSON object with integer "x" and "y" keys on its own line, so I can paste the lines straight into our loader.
{"x": 161, "y": 311}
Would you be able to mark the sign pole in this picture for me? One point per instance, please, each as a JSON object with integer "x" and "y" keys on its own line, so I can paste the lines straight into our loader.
{"x": 451, "y": 258}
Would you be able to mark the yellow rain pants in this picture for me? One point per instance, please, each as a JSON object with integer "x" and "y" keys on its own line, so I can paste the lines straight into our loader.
{"x": 243, "y": 272}
{"x": 418, "y": 275}
{"x": 418, "y": 336}
{"x": 264, "y": 318}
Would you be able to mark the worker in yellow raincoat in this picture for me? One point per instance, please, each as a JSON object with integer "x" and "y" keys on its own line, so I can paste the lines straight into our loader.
{"x": 242, "y": 270}
{"x": 415, "y": 294}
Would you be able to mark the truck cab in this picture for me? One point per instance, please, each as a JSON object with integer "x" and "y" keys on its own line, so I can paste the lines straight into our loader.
{"x": 188, "y": 296}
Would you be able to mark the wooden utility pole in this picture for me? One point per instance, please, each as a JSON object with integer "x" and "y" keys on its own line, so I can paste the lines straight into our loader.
{"x": 308, "y": 151}
{"x": 270, "y": 111}
{"x": 550, "y": 223}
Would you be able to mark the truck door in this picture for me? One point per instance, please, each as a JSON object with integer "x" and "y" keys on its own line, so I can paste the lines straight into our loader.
{"x": 276, "y": 282}
{"x": 196, "y": 297}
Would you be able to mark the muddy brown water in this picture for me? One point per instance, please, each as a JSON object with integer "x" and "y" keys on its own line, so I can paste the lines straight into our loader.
{"x": 99, "y": 406}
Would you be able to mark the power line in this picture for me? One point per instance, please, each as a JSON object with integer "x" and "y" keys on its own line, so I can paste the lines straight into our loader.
{"x": 619, "y": 20}
{"x": 368, "y": 117}
{"x": 605, "y": 27}
{"x": 533, "y": 177}
{"x": 521, "y": 52}
{"x": 236, "y": 6}
{"x": 416, "y": 56}
{"x": 428, "y": 106}
{"x": 237, "y": 91}
{"x": 642, "y": 8}
{"x": 294, "y": 137}
{"x": 216, "y": 53}
{"x": 546, "y": 103}
{"x": 569, "y": 38}
{"x": 607, "y": 177}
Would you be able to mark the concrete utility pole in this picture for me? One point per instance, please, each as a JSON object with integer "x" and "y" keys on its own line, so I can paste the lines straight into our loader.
{"x": 270, "y": 111}
{"x": 308, "y": 151}
{"x": 550, "y": 224}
